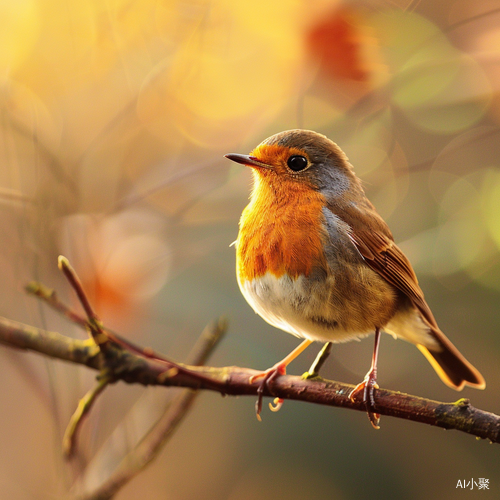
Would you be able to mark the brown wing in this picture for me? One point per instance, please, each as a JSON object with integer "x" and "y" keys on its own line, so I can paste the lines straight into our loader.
{"x": 384, "y": 256}
{"x": 373, "y": 239}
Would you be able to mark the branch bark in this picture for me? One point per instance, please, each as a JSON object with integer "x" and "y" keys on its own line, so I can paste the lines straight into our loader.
{"x": 131, "y": 367}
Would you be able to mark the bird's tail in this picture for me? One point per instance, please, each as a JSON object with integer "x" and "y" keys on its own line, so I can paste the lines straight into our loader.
{"x": 453, "y": 369}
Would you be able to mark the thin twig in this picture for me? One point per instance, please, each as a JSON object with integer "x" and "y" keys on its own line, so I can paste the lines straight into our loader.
{"x": 100, "y": 338}
{"x": 50, "y": 297}
{"x": 84, "y": 406}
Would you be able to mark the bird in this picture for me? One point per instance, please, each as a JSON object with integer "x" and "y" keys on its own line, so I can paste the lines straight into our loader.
{"x": 315, "y": 259}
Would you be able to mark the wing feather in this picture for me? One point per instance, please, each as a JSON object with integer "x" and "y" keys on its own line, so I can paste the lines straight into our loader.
{"x": 373, "y": 239}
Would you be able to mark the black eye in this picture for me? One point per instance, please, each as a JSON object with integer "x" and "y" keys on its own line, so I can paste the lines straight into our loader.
{"x": 297, "y": 163}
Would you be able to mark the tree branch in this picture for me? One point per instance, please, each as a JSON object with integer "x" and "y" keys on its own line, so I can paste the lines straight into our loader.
{"x": 132, "y": 367}
{"x": 152, "y": 442}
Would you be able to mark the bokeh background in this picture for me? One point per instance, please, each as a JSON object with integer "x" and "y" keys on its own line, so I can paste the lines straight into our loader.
{"x": 114, "y": 118}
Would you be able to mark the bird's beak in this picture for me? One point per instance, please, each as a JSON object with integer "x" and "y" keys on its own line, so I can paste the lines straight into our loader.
{"x": 250, "y": 161}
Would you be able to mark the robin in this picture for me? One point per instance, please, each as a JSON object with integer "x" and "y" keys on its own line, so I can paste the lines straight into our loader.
{"x": 315, "y": 259}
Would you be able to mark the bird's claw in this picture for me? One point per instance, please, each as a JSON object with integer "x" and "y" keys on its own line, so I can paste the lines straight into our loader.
{"x": 276, "y": 404}
{"x": 267, "y": 376}
{"x": 366, "y": 389}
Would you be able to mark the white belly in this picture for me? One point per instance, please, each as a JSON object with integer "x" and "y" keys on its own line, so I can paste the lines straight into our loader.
{"x": 302, "y": 307}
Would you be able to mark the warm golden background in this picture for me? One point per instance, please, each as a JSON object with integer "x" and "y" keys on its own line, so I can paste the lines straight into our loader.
{"x": 114, "y": 117}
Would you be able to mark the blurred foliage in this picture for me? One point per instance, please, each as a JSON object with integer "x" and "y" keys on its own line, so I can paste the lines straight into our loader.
{"x": 114, "y": 117}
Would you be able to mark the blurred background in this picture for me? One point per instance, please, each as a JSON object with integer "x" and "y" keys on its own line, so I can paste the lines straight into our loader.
{"x": 114, "y": 119}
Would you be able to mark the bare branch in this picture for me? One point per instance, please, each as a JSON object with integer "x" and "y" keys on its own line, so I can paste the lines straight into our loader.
{"x": 151, "y": 444}
{"x": 134, "y": 368}
{"x": 52, "y": 344}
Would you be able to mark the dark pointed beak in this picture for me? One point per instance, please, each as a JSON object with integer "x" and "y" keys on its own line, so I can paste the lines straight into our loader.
{"x": 247, "y": 160}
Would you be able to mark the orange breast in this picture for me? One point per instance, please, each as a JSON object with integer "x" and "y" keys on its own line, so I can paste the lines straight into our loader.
{"x": 280, "y": 230}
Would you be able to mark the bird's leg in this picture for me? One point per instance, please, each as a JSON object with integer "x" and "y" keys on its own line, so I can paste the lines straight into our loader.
{"x": 271, "y": 373}
{"x": 369, "y": 383}
{"x": 322, "y": 356}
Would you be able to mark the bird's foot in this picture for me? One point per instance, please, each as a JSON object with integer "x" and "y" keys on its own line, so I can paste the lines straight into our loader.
{"x": 267, "y": 376}
{"x": 366, "y": 390}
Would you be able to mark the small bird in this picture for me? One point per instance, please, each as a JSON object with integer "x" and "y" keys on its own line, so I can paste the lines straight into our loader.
{"x": 315, "y": 259}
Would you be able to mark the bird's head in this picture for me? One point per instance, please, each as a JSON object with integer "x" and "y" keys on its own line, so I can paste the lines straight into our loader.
{"x": 300, "y": 156}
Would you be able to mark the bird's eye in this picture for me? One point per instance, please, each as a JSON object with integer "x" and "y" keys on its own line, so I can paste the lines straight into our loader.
{"x": 297, "y": 163}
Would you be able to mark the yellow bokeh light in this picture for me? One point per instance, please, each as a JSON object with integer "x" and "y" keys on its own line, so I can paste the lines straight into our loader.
{"x": 18, "y": 33}
{"x": 438, "y": 87}
{"x": 490, "y": 197}
{"x": 223, "y": 69}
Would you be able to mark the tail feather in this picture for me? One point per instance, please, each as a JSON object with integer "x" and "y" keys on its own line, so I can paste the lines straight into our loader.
{"x": 453, "y": 369}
